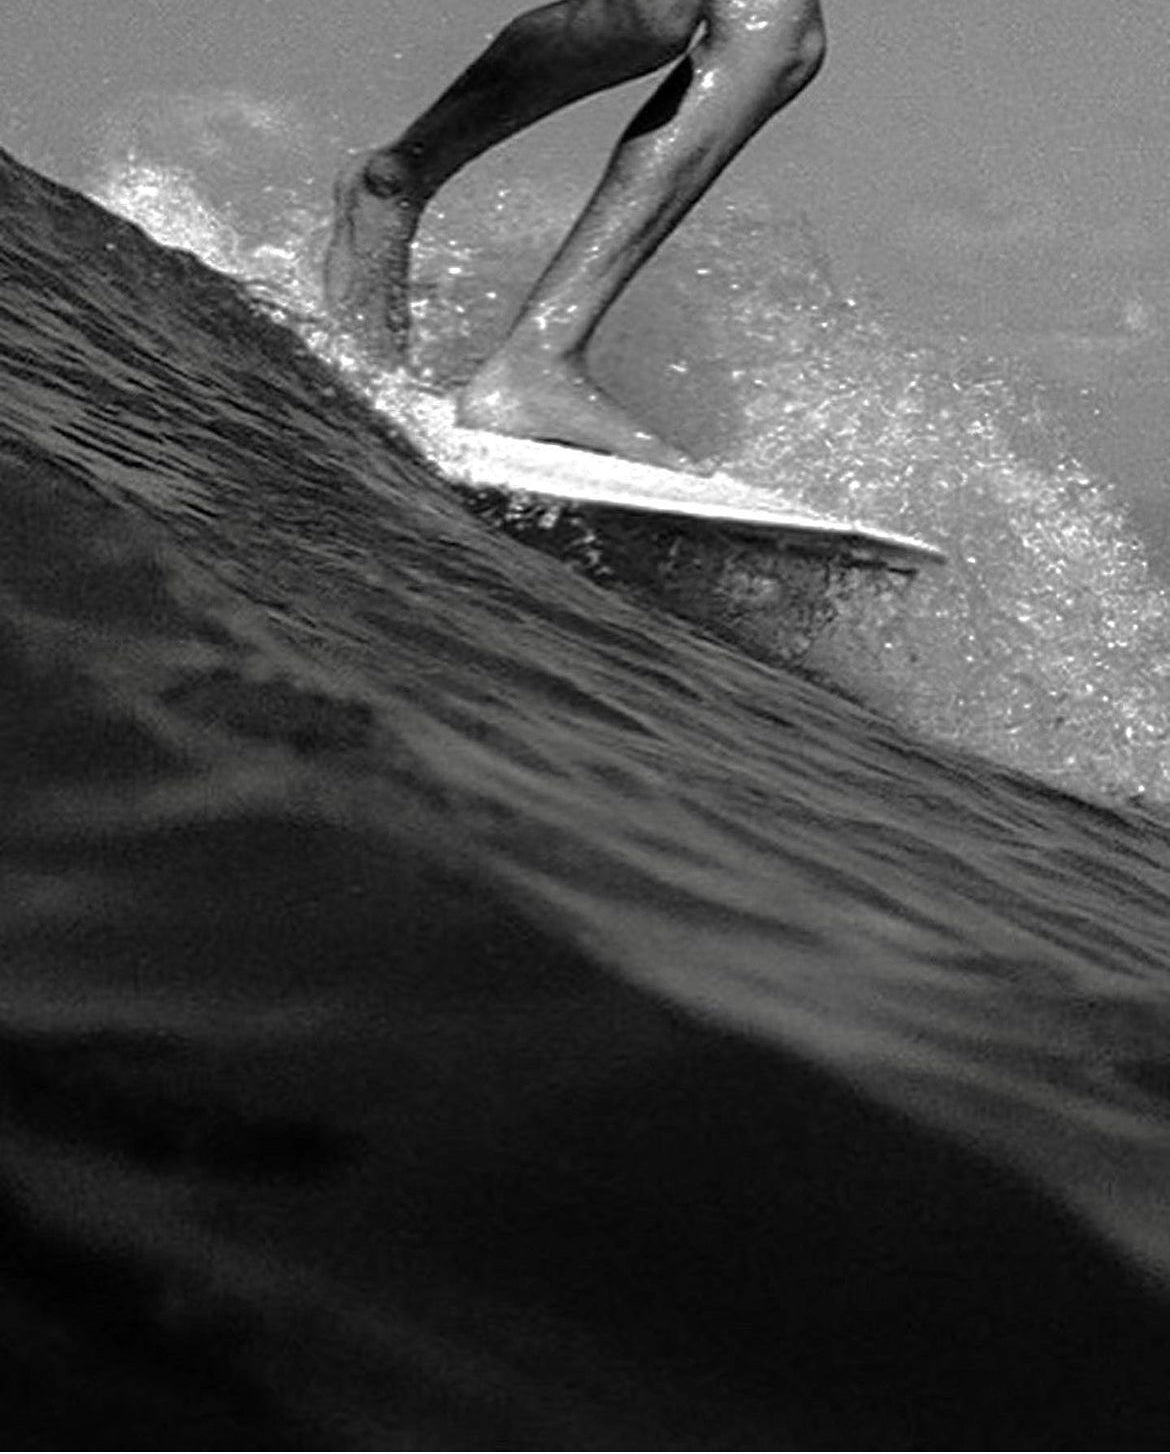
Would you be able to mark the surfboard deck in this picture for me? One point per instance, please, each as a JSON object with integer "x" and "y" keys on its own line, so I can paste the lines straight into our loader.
{"x": 530, "y": 470}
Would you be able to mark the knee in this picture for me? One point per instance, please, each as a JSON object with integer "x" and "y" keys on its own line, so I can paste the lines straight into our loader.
{"x": 809, "y": 43}
{"x": 798, "y": 38}
{"x": 787, "y": 36}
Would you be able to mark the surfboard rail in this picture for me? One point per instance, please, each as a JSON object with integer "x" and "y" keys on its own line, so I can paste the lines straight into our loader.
{"x": 530, "y": 469}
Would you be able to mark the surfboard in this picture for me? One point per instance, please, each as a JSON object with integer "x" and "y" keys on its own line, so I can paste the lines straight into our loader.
{"x": 532, "y": 471}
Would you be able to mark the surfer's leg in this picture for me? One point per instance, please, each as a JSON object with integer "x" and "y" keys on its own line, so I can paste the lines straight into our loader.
{"x": 544, "y": 60}
{"x": 754, "y": 56}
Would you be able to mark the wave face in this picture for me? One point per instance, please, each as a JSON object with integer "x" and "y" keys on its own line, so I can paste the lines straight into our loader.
{"x": 452, "y": 1003}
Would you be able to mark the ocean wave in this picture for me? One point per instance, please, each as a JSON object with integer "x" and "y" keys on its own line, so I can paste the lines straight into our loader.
{"x": 449, "y": 1002}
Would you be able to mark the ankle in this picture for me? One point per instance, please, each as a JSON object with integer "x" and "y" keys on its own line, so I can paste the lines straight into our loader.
{"x": 389, "y": 176}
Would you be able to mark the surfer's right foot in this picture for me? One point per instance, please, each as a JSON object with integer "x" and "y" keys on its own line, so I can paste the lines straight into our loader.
{"x": 367, "y": 262}
{"x": 553, "y": 399}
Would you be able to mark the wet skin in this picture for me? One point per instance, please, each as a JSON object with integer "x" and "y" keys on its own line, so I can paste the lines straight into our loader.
{"x": 737, "y": 62}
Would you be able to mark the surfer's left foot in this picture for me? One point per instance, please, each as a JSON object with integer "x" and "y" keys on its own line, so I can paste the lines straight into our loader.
{"x": 552, "y": 399}
{"x": 367, "y": 263}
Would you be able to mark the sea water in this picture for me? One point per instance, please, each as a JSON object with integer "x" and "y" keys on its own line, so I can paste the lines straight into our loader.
{"x": 450, "y": 1002}
{"x": 1044, "y": 644}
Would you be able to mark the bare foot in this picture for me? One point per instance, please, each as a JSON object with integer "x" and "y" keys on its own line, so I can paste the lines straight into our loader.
{"x": 367, "y": 262}
{"x": 554, "y": 400}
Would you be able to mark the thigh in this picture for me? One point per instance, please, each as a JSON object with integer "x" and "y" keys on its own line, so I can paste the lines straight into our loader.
{"x": 666, "y": 25}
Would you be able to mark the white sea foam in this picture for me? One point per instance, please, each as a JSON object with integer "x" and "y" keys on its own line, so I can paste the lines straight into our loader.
{"x": 1044, "y": 645}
